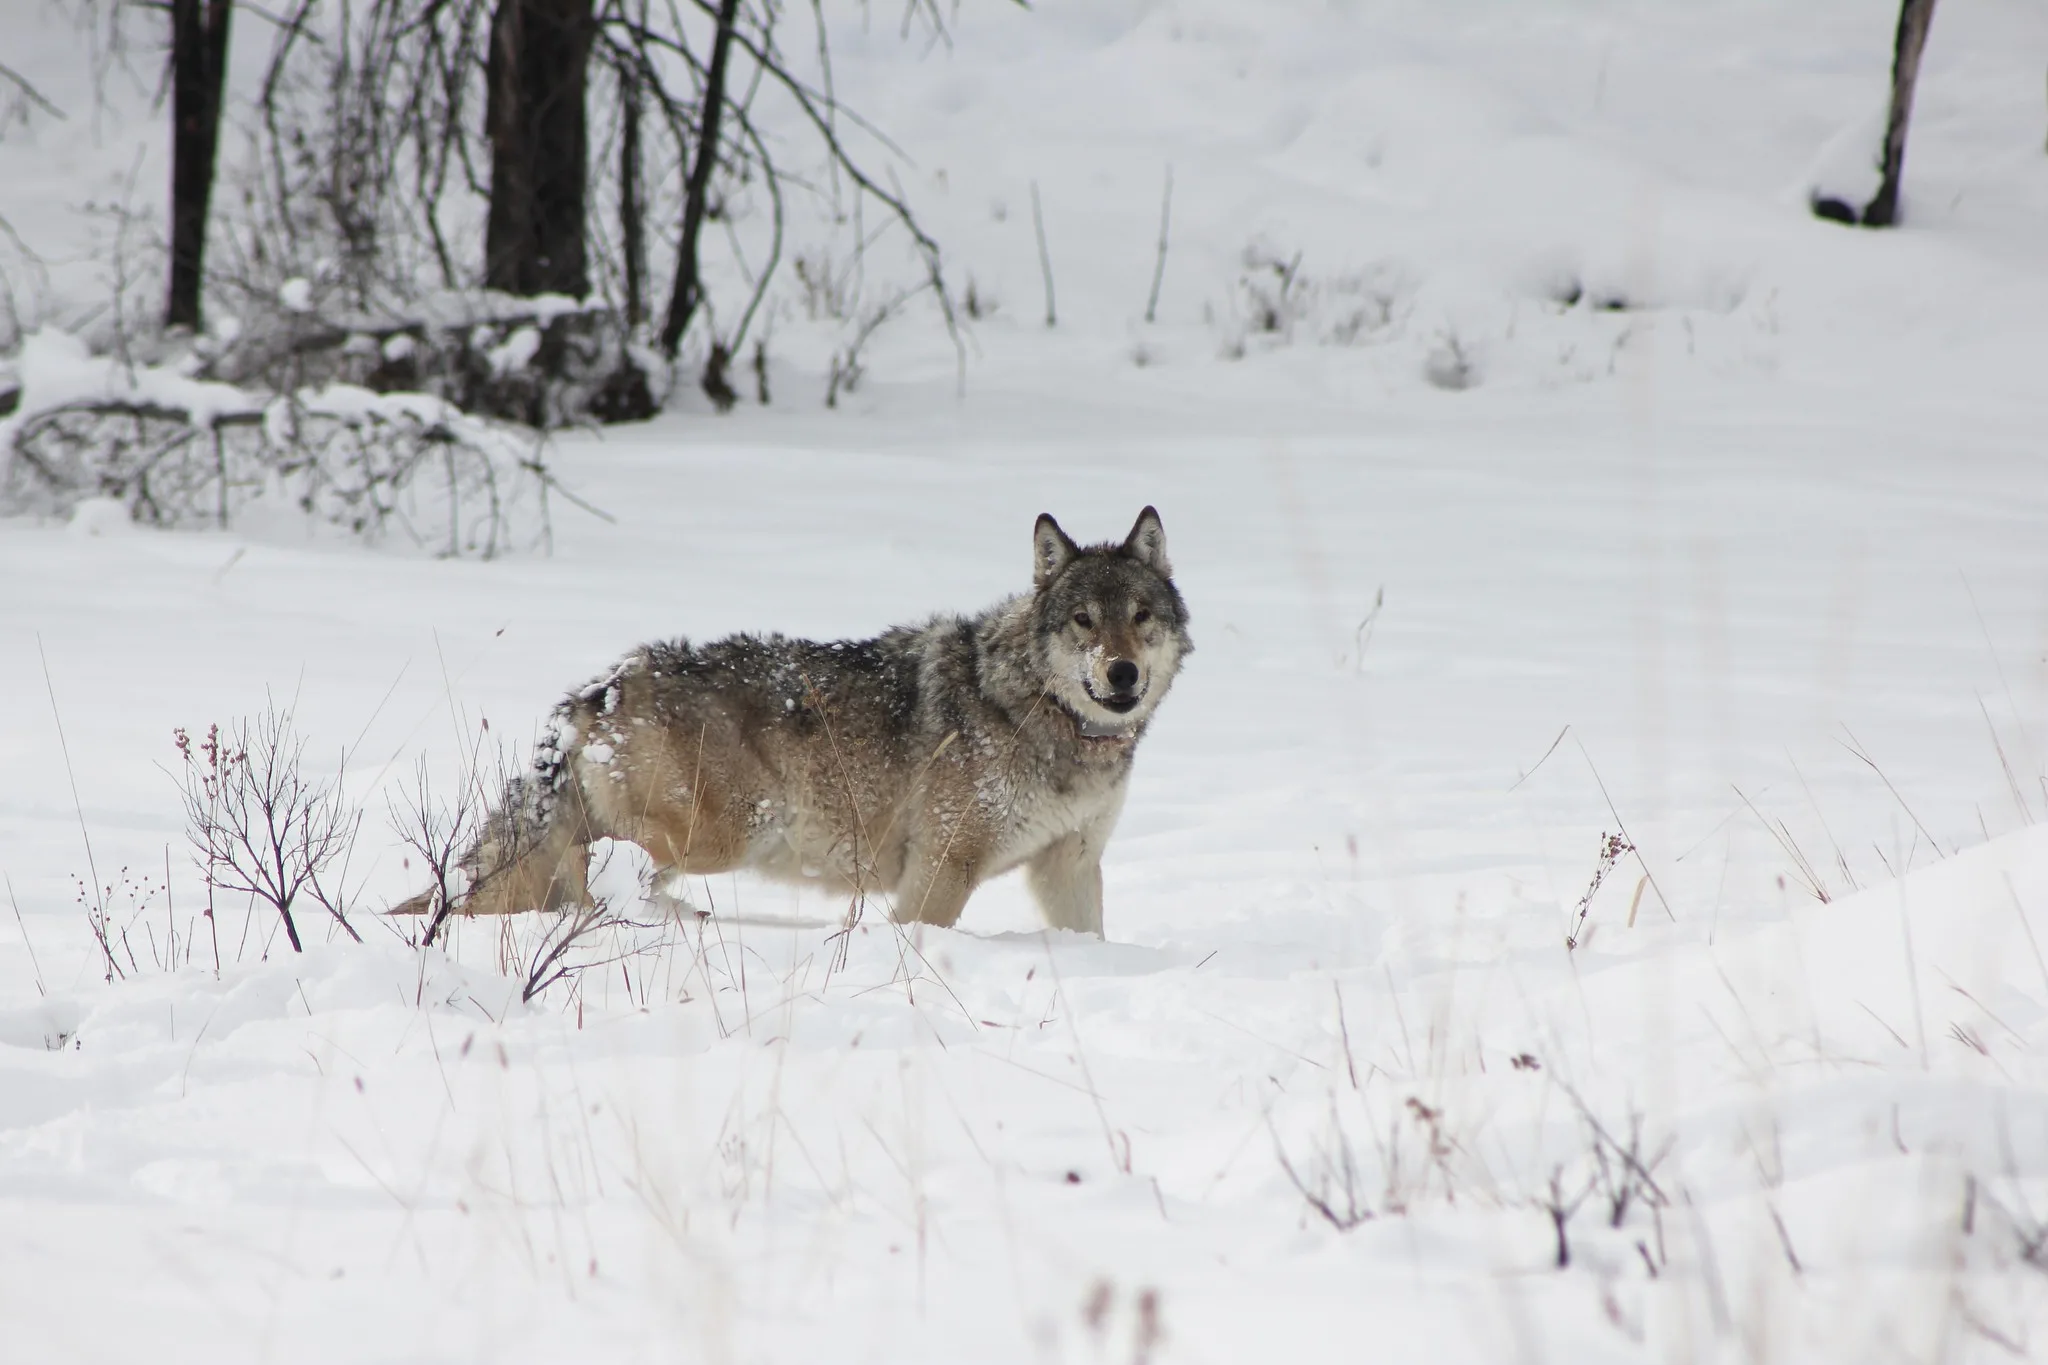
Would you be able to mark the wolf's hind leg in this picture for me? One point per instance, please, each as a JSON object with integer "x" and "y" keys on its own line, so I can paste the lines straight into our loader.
{"x": 1066, "y": 881}
{"x": 524, "y": 863}
{"x": 693, "y": 837}
{"x": 682, "y": 831}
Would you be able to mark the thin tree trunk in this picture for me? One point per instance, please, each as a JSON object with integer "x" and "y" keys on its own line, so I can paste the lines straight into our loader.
{"x": 1914, "y": 18}
{"x": 683, "y": 302}
{"x": 624, "y": 396}
{"x": 536, "y": 75}
{"x": 199, "y": 64}
{"x": 632, "y": 232}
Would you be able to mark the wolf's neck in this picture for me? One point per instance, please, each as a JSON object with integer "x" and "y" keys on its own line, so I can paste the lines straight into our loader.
{"x": 1011, "y": 664}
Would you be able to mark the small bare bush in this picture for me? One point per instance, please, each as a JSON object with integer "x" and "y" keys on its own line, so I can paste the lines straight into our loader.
{"x": 1270, "y": 289}
{"x": 260, "y": 827}
{"x": 1276, "y": 303}
{"x": 174, "y": 452}
{"x": 1331, "y": 1179}
{"x": 441, "y": 830}
{"x": 848, "y": 368}
{"x": 562, "y": 951}
{"x": 1414, "y": 1156}
{"x": 1616, "y": 1170}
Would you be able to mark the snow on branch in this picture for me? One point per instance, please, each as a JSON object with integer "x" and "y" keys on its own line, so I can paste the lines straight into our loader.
{"x": 178, "y": 451}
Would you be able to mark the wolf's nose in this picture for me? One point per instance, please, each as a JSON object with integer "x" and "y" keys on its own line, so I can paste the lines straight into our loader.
{"x": 1123, "y": 675}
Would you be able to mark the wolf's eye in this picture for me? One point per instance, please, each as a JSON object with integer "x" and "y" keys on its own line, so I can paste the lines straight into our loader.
{"x": 1140, "y": 616}
{"x": 1084, "y": 620}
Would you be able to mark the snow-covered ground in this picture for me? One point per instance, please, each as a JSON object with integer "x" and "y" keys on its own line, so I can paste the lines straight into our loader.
{"x": 1755, "y": 523}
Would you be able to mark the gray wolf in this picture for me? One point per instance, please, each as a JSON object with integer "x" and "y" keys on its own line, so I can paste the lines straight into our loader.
{"x": 911, "y": 767}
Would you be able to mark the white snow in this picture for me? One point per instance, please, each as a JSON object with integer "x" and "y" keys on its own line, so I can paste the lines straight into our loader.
{"x": 1731, "y": 536}
{"x": 100, "y": 517}
{"x": 1849, "y": 166}
{"x": 515, "y": 351}
{"x": 54, "y": 369}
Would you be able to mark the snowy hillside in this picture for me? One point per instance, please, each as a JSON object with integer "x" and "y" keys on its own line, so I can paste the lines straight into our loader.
{"x": 1536, "y": 469}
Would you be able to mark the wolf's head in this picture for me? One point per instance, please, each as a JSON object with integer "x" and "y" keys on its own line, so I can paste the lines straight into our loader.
{"x": 1112, "y": 625}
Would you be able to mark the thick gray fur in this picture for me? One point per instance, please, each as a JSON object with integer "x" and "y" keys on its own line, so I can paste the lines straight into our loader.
{"x": 907, "y": 768}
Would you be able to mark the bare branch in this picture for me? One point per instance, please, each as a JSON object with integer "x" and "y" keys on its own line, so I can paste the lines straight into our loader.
{"x": 28, "y": 92}
{"x": 258, "y": 825}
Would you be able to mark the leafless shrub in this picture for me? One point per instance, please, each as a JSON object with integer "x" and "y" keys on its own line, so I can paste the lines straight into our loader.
{"x": 366, "y": 164}
{"x": 116, "y": 933}
{"x": 1276, "y": 303}
{"x": 1100, "y": 1316}
{"x": 1413, "y": 1155}
{"x": 1560, "y": 1207}
{"x": 259, "y": 826}
{"x": 1624, "y": 1174}
{"x": 1361, "y": 305}
{"x": 129, "y": 247}
{"x": 848, "y": 369}
{"x": 1331, "y": 1183}
{"x": 2010, "y": 1213}
{"x": 123, "y": 915}
{"x": 163, "y": 466}
{"x": 827, "y": 293}
{"x": 1268, "y": 286}
{"x": 354, "y": 140}
{"x": 440, "y": 831}
{"x": 557, "y": 956}
{"x": 376, "y": 466}
{"x": 1617, "y": 1169}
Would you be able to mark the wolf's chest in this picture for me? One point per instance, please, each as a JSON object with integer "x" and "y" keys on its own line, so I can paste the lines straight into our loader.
{"x": 1042, "y": 813}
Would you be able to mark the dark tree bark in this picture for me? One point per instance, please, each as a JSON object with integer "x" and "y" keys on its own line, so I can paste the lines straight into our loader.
{"x": 537, "y": 73}
{"x": 199, "y": 65}
{"x": 1883, "y": 211}
{"x": 625, "y": 395}
{"x": 682, "y": 304}
{"x": 1914, "y": 18}
{"x": 632, "y": 231}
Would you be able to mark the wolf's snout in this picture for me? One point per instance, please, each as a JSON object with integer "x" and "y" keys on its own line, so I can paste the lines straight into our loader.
{"x": 1123, "y": 675}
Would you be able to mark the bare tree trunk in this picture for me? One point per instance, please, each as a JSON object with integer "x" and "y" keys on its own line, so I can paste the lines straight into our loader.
{"x": 1914, "y": 18}
{"x": 632, "y": 232}
{"x": 625, "y": 396}
{"x": 536, "y": 75}
{"x": 682, "y": 304}
{"x": 199, "y": 64}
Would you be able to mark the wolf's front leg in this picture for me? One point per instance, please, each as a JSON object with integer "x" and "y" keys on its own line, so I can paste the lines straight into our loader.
{"x": 1066, "y": 880}
{"x": 935, "y": 890}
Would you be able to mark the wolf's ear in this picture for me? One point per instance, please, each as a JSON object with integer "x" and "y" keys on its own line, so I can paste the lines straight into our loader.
{"x": 1050, "y": 550}
{"x": 1147, "y": 543}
